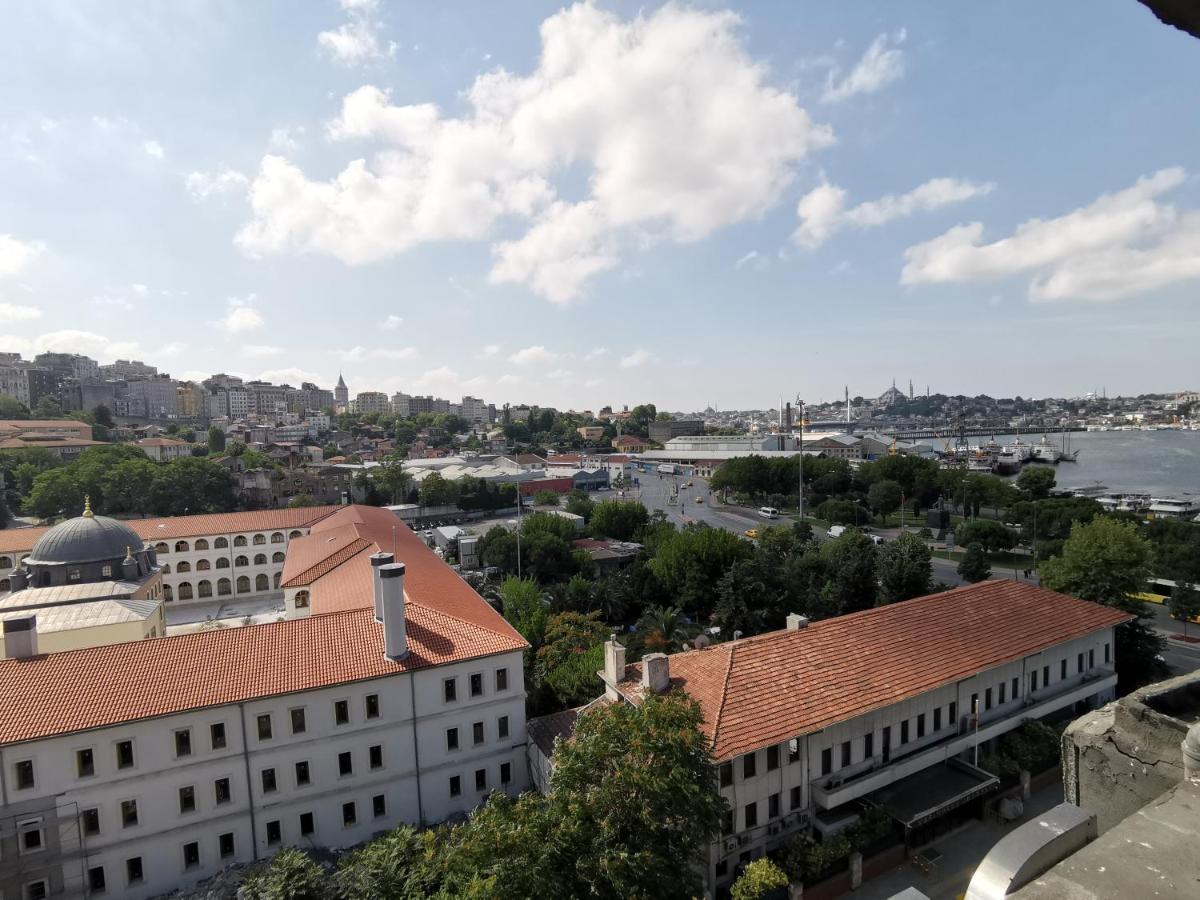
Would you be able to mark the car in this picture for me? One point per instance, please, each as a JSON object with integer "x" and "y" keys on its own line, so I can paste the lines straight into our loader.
{"x": 699, "y": 499}
{"x": 836, "y": 531}
{"x": 751, "y": 533}
{"x": 768, "y": 512}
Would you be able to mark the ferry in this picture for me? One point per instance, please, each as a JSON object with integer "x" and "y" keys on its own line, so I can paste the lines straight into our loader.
{"x": 1122, "y": 502}
{"x": 1186, "y": 507}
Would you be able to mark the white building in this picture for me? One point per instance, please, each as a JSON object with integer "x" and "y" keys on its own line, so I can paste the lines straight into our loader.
{"x": 164, "y": 449}
{"x": 371, "y": 402}
{"x": 137, "y": 768}
{"x": 877, "y": 706}
{"x": 14, "y": 382}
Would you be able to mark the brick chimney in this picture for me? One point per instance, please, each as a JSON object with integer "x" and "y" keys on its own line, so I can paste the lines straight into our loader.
{"x": 656, "y": 672}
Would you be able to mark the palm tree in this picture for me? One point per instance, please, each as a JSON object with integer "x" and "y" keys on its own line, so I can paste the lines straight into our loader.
{"x": 664, "y": 628}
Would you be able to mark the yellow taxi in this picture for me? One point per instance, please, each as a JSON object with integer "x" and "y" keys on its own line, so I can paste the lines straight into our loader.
{"x": 751, "y": 533}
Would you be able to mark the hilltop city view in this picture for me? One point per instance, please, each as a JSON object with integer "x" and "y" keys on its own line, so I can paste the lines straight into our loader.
{"x": 599, "y": 450}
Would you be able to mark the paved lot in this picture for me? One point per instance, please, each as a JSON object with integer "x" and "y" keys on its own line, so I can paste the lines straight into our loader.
{"x": 193, "y": 616}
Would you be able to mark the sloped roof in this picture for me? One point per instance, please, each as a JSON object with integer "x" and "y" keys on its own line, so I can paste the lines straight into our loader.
{"x": 767, "y": 689}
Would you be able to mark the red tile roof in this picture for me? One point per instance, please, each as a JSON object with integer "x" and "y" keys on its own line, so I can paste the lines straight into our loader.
{"x": 770, "y": 688}
{"x": 75, "y": 690}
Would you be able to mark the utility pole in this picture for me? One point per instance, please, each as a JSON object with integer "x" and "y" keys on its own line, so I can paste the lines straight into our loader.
{"x": 800, "y": 491}
{"x": 518, "y": 529}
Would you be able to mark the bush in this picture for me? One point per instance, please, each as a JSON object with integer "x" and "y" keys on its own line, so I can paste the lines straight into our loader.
{"x": 545, "y": 498}
{"x": 760, "y": 877}
{"x": 807, "y": 859}
{"x": 290, "y": 875}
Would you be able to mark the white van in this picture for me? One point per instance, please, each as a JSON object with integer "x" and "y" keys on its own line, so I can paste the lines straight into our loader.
{"x": 836, "y": 531}
{"x": 768, "y": 512}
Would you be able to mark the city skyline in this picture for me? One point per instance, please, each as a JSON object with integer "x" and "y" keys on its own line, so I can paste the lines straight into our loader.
{"x": 872, "y": 220}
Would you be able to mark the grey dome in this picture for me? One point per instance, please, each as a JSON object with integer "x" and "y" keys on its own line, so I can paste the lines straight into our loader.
{"x": 87, "y": 538}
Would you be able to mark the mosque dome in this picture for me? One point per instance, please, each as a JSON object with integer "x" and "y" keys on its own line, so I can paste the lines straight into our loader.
{"x": 85, "y": 539}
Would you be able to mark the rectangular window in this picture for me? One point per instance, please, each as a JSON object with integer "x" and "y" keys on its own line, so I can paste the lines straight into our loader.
{"x": 502, "y": 679}
{"x": 225, "y": 845}
{"x": 345, "y": 763}
{"x": 904, "y": 732}
{"x": 455, "y": 786}
{"x": 794, "y": 750}
{"x": 264, "y": 727}
{"x": 1003, "y": 689}
{"x": 502, "y": 727}
{"x": 85, "y": 764}
{"x": 505, "y": 773}
{"x": 772, "y": 758}
{"x": 748, "y": 766}
{"x": 191, "y": 855}
{"x": 476, "y": 684}
{"x": 1045, "y": 676}
{"x": 216, "y": 735}
{"x": 727, "y": 822}
{"x": 481, "y": 779}
{"x": 974, "y": 704}
{"x": 937, "y": 719}
{"x": 274, "y": 832}
{"x": 450, "y": 689}
{"x": 371, "y": 706}
{"x": 269, "y": 784}
{"x": 133, "y": 870}
{"x": 1062, "y": 670}
{"x": 868, "y": 745}
{"x": 306, "y": 824}
{"x": 31, "y": 836}
{"x": 129, "y": 814}
{"x": 299, "y": 721}
{"x": 96, "y": 882}
{"x": 750, "y": 815}
{"x": 726, "y": 770}
{"x": 302, "y": 776}
{"x": 953, "y": 712}
{"x": 826, "y": 760}
{"x": 1033, "y": 680}
{"x": 187, "y": 799}
{"x": 183, "y": 742}
{"x": 987, "y": 699}
{"x": 1079, "y": 663}
{"x": 125, "y": 755}
{"x": 349, "y": 814}
{"x": 477, "y": 733}
{"x": 221, "y": 791}
{"x": 794, "y": 798}
{"x": 773, "y": 806}
{"x": 379, "y": 806}
{"x": 1016, "y": 688}
{"x": 1091, "y": 659}
{"x": 845, "y": 753}
{"x": 375, "y": 756}
{"x": 451, "y": 738}
{"x": 91, "y": 820}
{"x": 40, "y": 889}
{"x": 921, "y": 725}
{"x": 1107, "y": 654}
{"x": 341, "y": 712}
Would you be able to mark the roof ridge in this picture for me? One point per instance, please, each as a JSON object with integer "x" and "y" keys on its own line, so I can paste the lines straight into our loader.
{"x": 442, "y": 612}
{"x": 724, "y": 695}
{"x": 357, "y": 545}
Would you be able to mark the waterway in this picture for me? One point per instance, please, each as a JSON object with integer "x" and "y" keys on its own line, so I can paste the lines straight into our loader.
{"x": 1151, "y": 462}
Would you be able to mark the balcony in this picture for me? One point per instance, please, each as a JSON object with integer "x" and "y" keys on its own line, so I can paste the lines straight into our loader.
{"x": 831, "y": 791}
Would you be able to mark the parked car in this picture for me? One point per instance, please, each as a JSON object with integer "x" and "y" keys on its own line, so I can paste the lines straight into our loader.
{"x": 768, "y": 512}
{"x": 836, "y": 531}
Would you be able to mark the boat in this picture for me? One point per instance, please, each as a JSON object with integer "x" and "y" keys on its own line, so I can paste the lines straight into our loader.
{"x": 1185, "y": 507}
{"x": 1124, "y": 502}
{"x": 1092, "y": 490}
{"x": 1046, "y": 452}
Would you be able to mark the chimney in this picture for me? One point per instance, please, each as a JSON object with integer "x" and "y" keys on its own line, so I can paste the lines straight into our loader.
{"x": 18, "y": 580}
{"x": 377, "y": 560}
{"x": 614, "y": 660}
{"x": 20, "y": 637}
{"x": 656, "y": 672}
{"x": 395, "y": 638}
{"x": 795, "y": 622}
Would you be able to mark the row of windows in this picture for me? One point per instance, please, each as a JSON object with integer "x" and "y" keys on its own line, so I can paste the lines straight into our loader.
{"x": 222, "y": 562}
{"x": 455, "y": 783}
{"x": 135, "y": 872}
{"x": 221, "y": 543}
{"x": 477, "y": 734}
{"x": 204, "y": 587}
{"x": 750, "y": 811}
{"x": 474, "y": 685}
{"x": 298, "y": 717}
{"x": 750, "y": 761}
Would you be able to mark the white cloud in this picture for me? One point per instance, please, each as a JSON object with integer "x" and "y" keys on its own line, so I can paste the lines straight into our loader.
{"x": 673, "y": 123}
{"x": 110, "y": 301}
{"x": 358, "y": 354}
{"x": 225, "y": 183}
{"x": 490, "y": 350}
{"x": 11, "y": 313}
{"x": 173, "y": 348}
{"x": 529, "y": 356}
{"x": 261, "y": 350}
{"x": 242, "y": 316}
{"x": 882, "y": 64}
{"x": 561, "y": 374}
{"x": 285, "y": 140}
{"x": 509, "y": 379}
{"x": 753, "y": 259}
{"x": 154, "y": 149}
{"x": 1118, "y": 245}
{"x": 16, "y": 255}
{"x": 391, "y": 323}
{"x": 636, "y": 359}
{"x": 356, "y": 40}
{"x": 596, "y": 354}
{"x": 291, "y": 375}
{"x": 822, "y": 211}
{"x": 140, "y": 289}
{"x": 73, "y": 341}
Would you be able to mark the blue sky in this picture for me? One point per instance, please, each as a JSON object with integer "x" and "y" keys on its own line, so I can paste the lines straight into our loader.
{"x": 607, "y": 203}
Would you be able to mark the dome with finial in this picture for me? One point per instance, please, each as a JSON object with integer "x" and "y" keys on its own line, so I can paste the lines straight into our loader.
{"x": 87, "y": 538}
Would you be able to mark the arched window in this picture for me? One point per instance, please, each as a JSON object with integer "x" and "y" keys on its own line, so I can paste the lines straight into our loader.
{"x": 302, "y": 600}
{"x": 220, "y": 543}
{"x": 243, "y": 584}
{"x": 222, "y": 562}
{"x": 203, "y": 565}
{"x": 181, "y": 546}
{"x": 185, "y": 590}
{"x": 278, "y": 577}
{"x": 161, "y": 548}
{"x": 277, "y": 538}
{"x": 259, "y": 539}
{"x": 168, "y": 594}
{"x": 5, "y": 563}
{"x": 260, "y": 559}
{"x": 239, "y": 541}
{"x": 183, "y": 566}
{"x": 295, "y": 534}
{"x": 241, "y": 561}
{"x": 204, "y": 588}
{"x": 166, "y": 568}
{"x": 277, "y": 557}
{"x": 201, "y": 544}
{"x": 262, "y": 583}
{"x": 224, "y": 588}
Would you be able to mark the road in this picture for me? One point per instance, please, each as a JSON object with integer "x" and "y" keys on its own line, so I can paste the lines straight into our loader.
{"x": 1181, "y": 656}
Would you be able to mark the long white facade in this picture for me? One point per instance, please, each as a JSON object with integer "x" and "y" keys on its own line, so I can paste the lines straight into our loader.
{"x": 239, "y": 564}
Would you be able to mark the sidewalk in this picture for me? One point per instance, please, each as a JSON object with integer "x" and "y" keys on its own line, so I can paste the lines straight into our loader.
{"x": 962, "y": 853}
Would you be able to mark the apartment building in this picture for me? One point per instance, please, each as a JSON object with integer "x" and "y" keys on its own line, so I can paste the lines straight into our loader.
{"x": 885, "y": 706}
{"x": 371, "y": 402}
{"x": 138, "y": 768}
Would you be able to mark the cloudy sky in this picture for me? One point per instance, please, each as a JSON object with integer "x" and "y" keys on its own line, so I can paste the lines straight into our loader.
{"x": 606, "y": 203}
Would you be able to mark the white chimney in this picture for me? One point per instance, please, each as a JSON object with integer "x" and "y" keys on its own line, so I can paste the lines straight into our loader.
{"x": 377, "y": 560}
{"x": 614, "y": 660}
{"x": 20, "y": 637}
{"x": 656, "y": 672}
{"x": 795, "y": 622}
{"x": 395, "y": 637}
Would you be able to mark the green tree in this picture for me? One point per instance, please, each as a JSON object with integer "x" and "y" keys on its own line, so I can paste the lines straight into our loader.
{"x": 1036, "y": 482}
{"x": 988, "y": 533}
{"x": 523, "y": 607}
{"x": 104, "y": 416}
{"x": 127, "y": 486}
{"x": 12, "y": 408}
{"x": 974, "y": 565}
{"x": 884, "y": 497}
{"x": 393, "y": 481}
{"x": 688, "y": 563}
{"x": 580, "y": 504}
{"x": 437, "y": 491}
{"x": 850, "y": 568}
{"x": 662, "y": 629}
{"x": 1185, "y": 604}
{"x": 758, "y": 880}
{"x": 5, "y": 515}
{"x": 55, "y": 492}
{"x": 546, "y": 498}
{"x": 905, "y": 569}
{"x": 290, "y": 875}
{"x": 498, "y": 547}
{"x": 47, "y": 408}
{"x": 741, "y": 596}
{"x": 1107, "y": 561}
{"x": 403, "y": 864}
{"x": 192, "y": 485}
{"x": 216, "y": 439}
{"x": 620, "y": 520}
